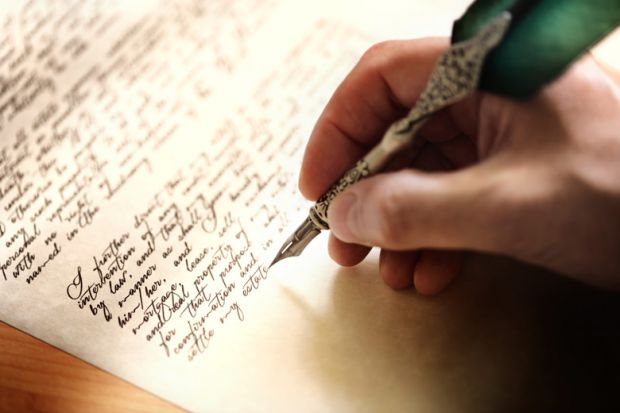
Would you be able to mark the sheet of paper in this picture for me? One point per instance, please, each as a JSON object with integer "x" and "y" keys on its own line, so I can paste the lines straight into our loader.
{"x": 148, "y": 170}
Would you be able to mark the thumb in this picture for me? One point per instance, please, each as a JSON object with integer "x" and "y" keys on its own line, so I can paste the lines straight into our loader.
{"x": 468, "y": 209}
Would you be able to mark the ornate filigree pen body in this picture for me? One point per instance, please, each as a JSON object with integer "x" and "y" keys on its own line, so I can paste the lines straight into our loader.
{"x": 455, "y": 76}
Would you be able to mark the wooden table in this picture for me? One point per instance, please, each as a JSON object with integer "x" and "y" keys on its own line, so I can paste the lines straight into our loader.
{"x": 36, "y": 377}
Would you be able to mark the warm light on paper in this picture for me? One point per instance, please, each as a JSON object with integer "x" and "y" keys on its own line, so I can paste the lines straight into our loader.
{"x": 148, "y": 171}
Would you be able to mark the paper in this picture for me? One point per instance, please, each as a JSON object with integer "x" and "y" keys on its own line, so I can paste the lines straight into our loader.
{"x": 148, "y": 170}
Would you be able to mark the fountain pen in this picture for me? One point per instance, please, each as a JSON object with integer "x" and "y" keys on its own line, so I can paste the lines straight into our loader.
{"x": 498, "y": 46}
{"x": 454, "y": 77}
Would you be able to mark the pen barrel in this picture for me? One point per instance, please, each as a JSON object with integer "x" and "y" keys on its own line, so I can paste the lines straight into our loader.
{"x": 400, "y": 135}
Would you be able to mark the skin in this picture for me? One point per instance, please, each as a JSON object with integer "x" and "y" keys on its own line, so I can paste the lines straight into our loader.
{"x": 538, "y": 180}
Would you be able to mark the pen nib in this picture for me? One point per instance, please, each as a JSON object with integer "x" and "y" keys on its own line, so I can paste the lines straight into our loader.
{"x": 296, "y": 243}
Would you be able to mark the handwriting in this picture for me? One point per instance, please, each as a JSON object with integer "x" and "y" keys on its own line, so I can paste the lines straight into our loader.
{"x": 155, "y": 234}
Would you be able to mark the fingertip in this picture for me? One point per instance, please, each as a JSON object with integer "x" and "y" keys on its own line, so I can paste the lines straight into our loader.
{"x": 305, "y": 186}
{"x": 347, "y": 255}
{"x": 436, "y": 270}
{"x": 397, "y": 268}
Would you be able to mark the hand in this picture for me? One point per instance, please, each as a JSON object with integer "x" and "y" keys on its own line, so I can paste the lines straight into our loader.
{"x": 536, "y": 180}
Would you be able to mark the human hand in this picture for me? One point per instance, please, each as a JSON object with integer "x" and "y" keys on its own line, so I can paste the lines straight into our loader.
{"x": 536, "y": 180}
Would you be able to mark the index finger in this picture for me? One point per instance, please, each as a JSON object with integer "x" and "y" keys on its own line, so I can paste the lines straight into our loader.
{"x": 381, "y": 87}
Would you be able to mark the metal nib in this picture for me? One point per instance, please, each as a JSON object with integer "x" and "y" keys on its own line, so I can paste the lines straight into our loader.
{"x": 296, "y": 243}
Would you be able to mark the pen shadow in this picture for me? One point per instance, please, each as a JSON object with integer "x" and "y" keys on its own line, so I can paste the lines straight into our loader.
{"x": 495, "y": 341}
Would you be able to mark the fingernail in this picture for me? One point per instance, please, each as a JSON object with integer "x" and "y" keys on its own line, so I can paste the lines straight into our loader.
{"x": 341, "y": 215}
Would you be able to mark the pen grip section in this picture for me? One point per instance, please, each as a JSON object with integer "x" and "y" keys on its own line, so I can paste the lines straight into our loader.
{"x": 394, "y": 141}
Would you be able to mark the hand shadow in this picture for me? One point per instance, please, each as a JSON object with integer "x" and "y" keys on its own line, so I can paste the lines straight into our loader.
{"x": 495, "y": 341}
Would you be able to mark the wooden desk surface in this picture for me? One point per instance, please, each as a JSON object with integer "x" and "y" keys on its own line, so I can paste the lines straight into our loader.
{"x": 36, "y": 377}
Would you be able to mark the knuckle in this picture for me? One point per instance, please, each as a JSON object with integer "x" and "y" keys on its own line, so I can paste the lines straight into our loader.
{"x": 377, "y": 54}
